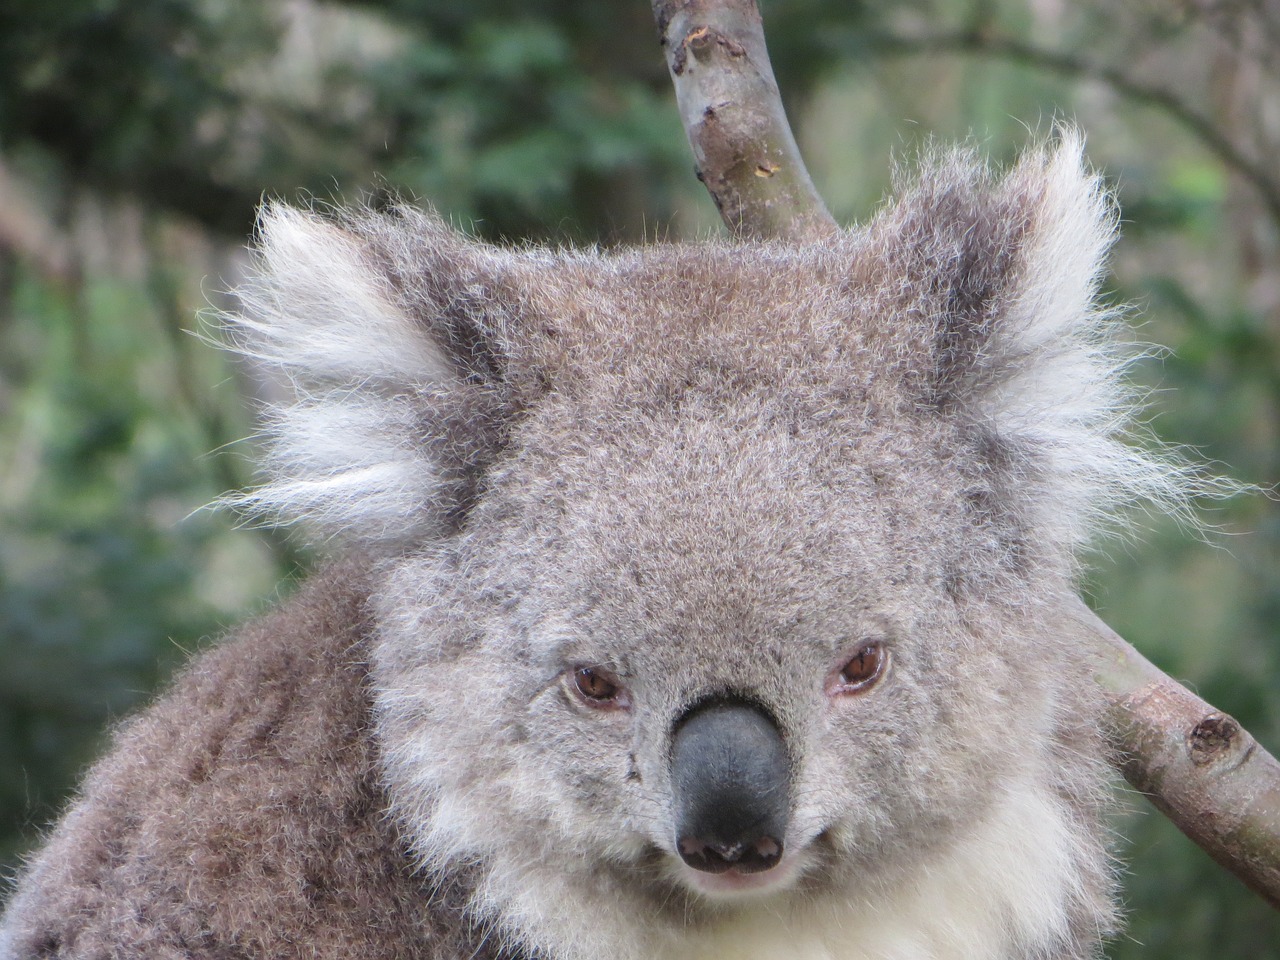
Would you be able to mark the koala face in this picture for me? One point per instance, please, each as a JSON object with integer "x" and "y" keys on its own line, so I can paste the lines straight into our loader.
{"x": 650, "y": 571}
{"x": 717, "y": 582}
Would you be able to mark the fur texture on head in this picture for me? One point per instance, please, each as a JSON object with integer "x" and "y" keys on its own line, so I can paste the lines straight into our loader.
{"x": 746, "y": 476}
{"x": 396, "y": 334}
{"x": 688, "y": 462}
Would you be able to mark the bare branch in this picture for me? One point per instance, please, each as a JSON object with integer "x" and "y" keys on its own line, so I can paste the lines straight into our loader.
{"x": 741, "y": 140}
{"x": 1196, "y": 764}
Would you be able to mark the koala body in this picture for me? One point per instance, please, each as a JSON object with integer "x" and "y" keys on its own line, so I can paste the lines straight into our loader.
{"x": 704, "y": 601}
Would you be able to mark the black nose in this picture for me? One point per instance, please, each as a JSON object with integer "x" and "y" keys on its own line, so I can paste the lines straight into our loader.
{"x": 731, "y": 782}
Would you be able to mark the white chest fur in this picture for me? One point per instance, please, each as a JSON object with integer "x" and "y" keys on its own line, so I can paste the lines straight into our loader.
{"x": 1000, "y": 893}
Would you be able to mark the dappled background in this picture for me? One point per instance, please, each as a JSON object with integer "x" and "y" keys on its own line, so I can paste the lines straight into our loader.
{"x": 137, "y": 137}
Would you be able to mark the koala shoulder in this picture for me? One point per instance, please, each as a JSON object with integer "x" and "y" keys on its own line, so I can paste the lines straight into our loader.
{"x": 242, "y": 808}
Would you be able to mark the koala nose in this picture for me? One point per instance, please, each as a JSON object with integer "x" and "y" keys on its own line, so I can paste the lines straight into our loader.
{"x": 730, "y": 779}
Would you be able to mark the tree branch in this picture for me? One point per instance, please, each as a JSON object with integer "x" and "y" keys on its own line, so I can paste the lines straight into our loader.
{"x": 1260, "y": 175}
{"x": 733, "y": 115}
{"x": 1196, "y": 764}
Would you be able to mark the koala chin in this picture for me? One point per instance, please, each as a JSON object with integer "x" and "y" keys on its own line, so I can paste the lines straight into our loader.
{"x": 688, "y": 602}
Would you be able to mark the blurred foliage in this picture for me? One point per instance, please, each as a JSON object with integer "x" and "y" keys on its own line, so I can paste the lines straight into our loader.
{"x": 105, "y": 582}
{"x": 141, "y": 135}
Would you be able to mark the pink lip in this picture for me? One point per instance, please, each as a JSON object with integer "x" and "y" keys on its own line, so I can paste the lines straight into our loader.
{"x": 731, "y": 882}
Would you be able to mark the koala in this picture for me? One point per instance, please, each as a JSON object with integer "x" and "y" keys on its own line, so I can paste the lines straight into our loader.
{"x": 687, "y": 602}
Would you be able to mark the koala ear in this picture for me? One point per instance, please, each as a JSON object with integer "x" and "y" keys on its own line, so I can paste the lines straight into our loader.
{"x": 1006, "y": 333}
{"x": 388, "y": 331}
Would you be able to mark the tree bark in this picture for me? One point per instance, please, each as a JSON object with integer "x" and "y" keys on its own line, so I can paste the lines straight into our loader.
{"x": 729, "y": 103}
{"x": 1195, "y": 763}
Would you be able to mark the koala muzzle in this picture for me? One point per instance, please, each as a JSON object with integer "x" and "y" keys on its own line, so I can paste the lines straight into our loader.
{"x": 731, "y": 785}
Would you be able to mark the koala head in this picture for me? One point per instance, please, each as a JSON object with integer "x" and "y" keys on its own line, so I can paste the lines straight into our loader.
{"x": 722, "y": 575}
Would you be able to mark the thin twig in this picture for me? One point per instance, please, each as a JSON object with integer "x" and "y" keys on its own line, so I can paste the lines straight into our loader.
{"x": 1160, "y": 98}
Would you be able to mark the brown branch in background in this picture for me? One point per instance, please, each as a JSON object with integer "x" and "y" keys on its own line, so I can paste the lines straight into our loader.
{"x": 729, "y": 103}
{"x": 1196, "y": 764}
{"x": 28, "y": 231}
{"x": 1261, "y": 176}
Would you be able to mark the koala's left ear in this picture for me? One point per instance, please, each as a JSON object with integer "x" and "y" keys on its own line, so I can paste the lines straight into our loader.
{"x": 390, "y": 332}
{"x": 993, "y": 281}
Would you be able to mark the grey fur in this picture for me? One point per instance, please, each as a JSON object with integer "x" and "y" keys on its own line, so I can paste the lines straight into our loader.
{"x": 708, "y": 469}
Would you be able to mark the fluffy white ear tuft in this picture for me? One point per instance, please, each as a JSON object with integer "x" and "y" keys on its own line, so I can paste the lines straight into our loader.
{"x": 1055, "y": 380}
{"x": 346, "y": 451}
{"x": 322, "y": 310}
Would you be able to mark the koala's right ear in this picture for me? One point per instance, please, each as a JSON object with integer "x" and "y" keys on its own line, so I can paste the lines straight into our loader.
{"x": 390, "y": 331}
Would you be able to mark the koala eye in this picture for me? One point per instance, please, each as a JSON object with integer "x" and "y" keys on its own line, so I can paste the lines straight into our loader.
{"x": 598, "y": 688}
{"x": 862, "y": 670}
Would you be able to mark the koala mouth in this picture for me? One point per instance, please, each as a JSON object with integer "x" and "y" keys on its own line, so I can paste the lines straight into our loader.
{"x": 733, "y": 883}
{"x": 762, "y": 853}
